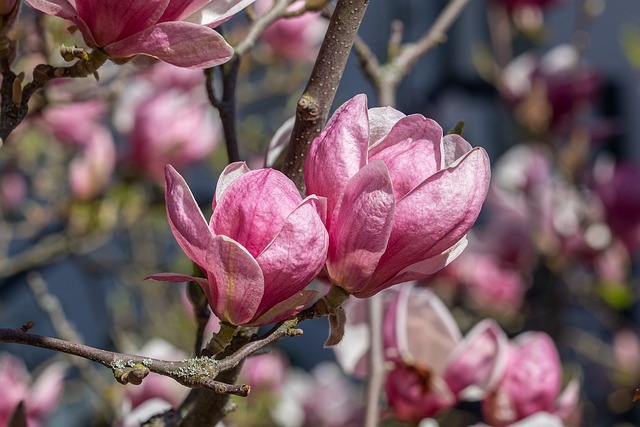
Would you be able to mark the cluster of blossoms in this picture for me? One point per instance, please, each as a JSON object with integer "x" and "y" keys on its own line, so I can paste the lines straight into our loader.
{"x": 391, "y": 200}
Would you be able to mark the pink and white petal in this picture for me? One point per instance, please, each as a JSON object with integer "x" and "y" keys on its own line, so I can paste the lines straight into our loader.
{"x": 414, "y": 127}
{"x": 381, "y": 121}
{"x": 232, "y": 172}
{"x": 339, "y": 152}
{"x": 478, "y": 363}
{"x": 279, "y": 142}
{"x": 410, "y": 162}
{"x": 533, "y": 376}
{"x": 540, "y": 419}
{"x": 422, "y": 269}
{"x": 567, "y": 405}
{"x": 179, "y": 43}
{"x": 236, "y": 279}
{"x": 111, "y": 21}
{"x": 187, "y": 223}
{"x": 254, "y": 207}
{"x": 295, "y": 256}
{"x": 216, "y": 12}
{"x": 47, "y": 389}
{"x": 454, "y": 147}
{"x": 426, "y": 332}
{"x": 436, "y": 214}
{"x": 65, "y": 10}
{"x": 286, "y": 308}
{"x": 360, "y": 227}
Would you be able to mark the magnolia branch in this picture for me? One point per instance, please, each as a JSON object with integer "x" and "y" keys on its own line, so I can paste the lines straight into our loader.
{"x": 386, "y": 78}
{"x": 315, "y": 103}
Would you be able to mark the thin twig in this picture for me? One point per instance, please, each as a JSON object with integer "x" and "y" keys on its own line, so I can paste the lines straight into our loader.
{"x": 376, "y": 361}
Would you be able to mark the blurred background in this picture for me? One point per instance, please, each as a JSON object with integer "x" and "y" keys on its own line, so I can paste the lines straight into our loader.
{"x": 550, "y": 89}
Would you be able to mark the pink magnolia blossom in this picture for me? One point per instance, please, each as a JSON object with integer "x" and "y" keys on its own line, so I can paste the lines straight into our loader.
{"x": 261, "y": 247}
{"x": 78, "y": 124}
{"x": 294, "y": 38}
{"x": 531, "y": 384}
{"x": 264, "y": 372}
{"x": 400, "y": 196}
{"x": 168, "y": 119}
{"x": 434, "y": 367}
{"x": 155, "y": 28}
{"x": 40, "y": 396}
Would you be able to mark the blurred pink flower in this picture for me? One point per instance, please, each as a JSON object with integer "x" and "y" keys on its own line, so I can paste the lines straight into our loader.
{"x": 531, "y": 384}
{"x": 264, "y": 372}
{"x": 515, "y": 4}
{"x": 294, "y": 38}
{"x": 618, "y": 190}
{"x": 548, "y": 92}
{"x": 40, "y": 396}
{"x": 13, "y": 190}
{"x": 434, "y": 368}
{"x": 151, "y": 27}
{"x": 261, "y": 248}
{"x": 79, "y": 124}
{"x": 168, "y": 119}
{"x": 400, "y": 196}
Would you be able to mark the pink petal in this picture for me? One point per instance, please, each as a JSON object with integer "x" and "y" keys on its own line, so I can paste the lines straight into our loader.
{"x": 479, "y": 361}
{"x": 47, "y": 389}
{"x": 254, "y": 207}
{"x": 237, "y": 283}
{"x": 187, "y": 223}
{"x": 228, "y": 175}
{"x": 414, "y": 127}
{"x": 65, "y": 10}
{"x": 412, "y": 159}
{"x": 436, "y": 214}
{"x": 286, "y": 308}
{"x": 178, "y": 9}
{"x": 361, "y": 226}
{"x": 295, "y": 256}
{"x": 533, "y": 376}
{"x": 179, "y": 43}
{"x": 111, "y": 21}
{"x": 279, "y": 142}
{"x": 422, "y": 269}
{"x": 426, "y": 332}
{"x": 567, "y": 405}
{"x": 381, "y": 121}
{"x": 339, "y": 152}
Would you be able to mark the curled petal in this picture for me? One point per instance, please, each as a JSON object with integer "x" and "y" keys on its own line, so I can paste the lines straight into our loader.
{"x": 216, "y": 12}
{"x": 426, "y": 332}
{"x": 295, "y": 256}
{"x": 185, "y": 218}
{"x": 454, "y": 147}
{"x": 361, "y": 226}
{"x": 228, "y": 175}
{"x": 237, "y": 283}
{"x": 381, "y": 121}
{"x": 339, "y": 152}
{"x": 415, "y": 127}
{"x": 479, "y": 361}
{"x": 179, "y": 43}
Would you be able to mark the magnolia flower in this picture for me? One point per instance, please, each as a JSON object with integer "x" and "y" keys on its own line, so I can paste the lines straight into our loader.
{"x": 261, "y": 247}
{"x": 400, "y": 196}
{"x": 434, "y": 367}
{"x": 40, "y": 397}
{"x": 531, "y": 384}
{"x": 294, "y": 38}
{"x": 168, "y": 119}
{"x": 78, "y": 124}
{"x": 265, "y": 372}
{"x": 155, "y": 28}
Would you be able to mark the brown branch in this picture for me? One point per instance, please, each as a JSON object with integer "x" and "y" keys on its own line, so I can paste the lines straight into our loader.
{"x": 314, "y": 105}
{"x": 15, "y": 99}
